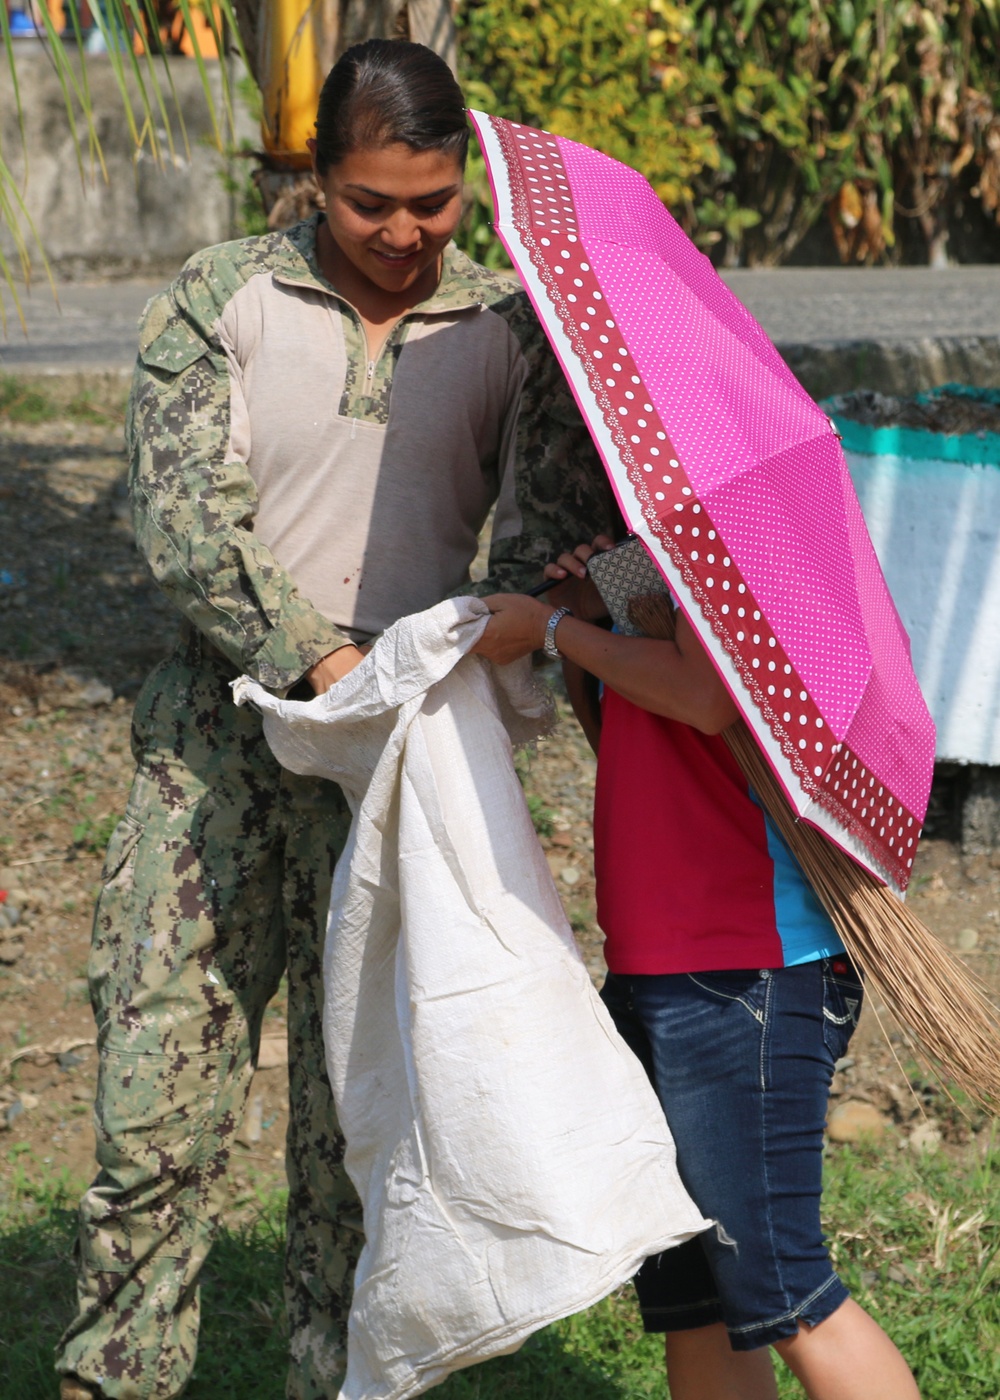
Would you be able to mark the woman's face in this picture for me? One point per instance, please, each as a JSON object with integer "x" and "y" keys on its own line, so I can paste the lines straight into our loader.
{"x": 392, "y": 210}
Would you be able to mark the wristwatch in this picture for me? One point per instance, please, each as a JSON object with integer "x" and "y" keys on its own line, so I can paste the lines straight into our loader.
{"x": 549, "y": 646}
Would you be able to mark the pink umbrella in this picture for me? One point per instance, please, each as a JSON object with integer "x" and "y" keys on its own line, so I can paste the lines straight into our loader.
{"x": 735, "y": 482}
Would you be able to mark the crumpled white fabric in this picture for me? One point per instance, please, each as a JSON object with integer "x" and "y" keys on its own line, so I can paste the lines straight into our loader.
{"x": 512, "y": 1160}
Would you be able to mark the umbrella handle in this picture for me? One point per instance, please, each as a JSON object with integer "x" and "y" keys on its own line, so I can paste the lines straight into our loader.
{"x": 544, "y": 587}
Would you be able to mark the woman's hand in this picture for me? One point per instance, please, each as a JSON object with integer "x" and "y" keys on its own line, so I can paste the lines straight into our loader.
{"x": 676, "y": 679}
{"x": 333, "y": 668}
{"x": 515, "y": 629}
{"x": 578, "y": 592}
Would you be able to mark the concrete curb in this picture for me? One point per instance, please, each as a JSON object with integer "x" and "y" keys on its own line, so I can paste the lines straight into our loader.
{"x": 894, "y": 367}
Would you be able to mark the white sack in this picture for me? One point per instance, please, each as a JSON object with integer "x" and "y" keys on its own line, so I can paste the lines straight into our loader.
{"x": 512, "y": 1160}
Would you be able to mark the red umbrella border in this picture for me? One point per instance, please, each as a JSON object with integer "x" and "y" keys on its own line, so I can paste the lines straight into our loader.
{"x": 845, "y": 799}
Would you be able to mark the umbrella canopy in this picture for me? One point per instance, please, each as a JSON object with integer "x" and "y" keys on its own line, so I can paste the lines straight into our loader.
{"x": 735, "y": 481}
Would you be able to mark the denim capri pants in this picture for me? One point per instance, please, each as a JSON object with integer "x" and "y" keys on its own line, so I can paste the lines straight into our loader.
{"x": 742, "y": 1064}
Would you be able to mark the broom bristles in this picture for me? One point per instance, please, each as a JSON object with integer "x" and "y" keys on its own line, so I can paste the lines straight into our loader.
{"x": 931, "y": 993}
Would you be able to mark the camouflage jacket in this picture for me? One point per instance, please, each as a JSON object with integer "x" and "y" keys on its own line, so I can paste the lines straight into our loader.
{"x": 195, "y": 496}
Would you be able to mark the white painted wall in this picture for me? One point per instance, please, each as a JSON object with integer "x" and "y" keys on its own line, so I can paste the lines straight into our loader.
{"x": 936, "y": 529}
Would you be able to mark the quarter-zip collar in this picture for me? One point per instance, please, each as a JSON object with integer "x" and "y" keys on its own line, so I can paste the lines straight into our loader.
{"x": 463, "y": 283}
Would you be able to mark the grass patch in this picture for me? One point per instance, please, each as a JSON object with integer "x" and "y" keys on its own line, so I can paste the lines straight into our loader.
{"x": 918, "y": 1244}
{"x": 243, "y": 1348}
{"x": 917, "y": 1240}
{"x": 243, "y": 1343}
{"x": 24, "y": 400}
{"x": 543, "y": 819}
{"x": 84, "y": 408}
{"x": 92, "y": 834}
{"x": 22, "y": 403}
{"x": 36, "y": 1279}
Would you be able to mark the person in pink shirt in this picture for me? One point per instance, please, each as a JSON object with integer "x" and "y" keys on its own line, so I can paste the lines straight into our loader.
{"x": 730, "y": 983}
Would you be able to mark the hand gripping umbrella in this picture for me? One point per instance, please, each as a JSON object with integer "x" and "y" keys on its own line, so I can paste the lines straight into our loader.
{"x": 735, "y": 482}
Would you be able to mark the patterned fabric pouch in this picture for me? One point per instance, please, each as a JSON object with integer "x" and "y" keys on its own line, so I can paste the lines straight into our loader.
{"x": 633, "y": 590}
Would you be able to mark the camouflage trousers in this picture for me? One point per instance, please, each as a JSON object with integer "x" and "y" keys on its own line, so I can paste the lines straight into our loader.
{"x": 216, "y": 882}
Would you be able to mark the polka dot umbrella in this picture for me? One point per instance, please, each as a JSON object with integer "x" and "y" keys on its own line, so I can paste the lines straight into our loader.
{"x": 736, "y": 483}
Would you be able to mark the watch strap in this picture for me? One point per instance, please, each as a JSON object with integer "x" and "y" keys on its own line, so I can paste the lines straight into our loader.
{"x": 549, "y": 645}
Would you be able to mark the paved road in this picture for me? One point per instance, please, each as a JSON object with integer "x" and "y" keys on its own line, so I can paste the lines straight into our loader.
{"x": 801, "y": 309}
{"x": 814, "y": 306}
{"x": 92, "y": 328}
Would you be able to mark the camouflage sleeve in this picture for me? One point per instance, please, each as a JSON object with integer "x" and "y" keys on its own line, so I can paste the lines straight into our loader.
{"x": 559, "y": 496}
{"x": 194, "y": 500}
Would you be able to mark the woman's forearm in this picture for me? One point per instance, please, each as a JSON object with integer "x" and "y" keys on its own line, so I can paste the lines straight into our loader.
{"x": 673, "y": 679}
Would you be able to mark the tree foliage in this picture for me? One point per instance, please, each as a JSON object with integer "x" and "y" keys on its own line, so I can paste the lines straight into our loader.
{"x": 591, "y": 70}
{"x": 751, "y": 118}
{"x": 869, "y": 108}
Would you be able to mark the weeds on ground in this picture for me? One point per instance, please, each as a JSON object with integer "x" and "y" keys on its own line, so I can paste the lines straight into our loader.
{"x": 92, "y": 834}
{"x": 918, "y": 1244}
{"x": 917, "y": 1240}
{"x": 542, "y": 817}
{"x": 23, "y": 402}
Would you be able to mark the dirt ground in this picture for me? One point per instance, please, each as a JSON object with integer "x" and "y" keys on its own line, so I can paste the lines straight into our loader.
{"x": 80, "y": 624}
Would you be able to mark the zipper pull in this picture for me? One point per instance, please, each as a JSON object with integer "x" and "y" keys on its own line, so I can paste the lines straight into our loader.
{"x": 371, "y": 369}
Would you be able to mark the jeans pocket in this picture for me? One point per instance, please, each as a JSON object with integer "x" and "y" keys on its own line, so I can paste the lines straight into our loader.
{"x": 749, "y": 988}
{"x": 843, "y": 997}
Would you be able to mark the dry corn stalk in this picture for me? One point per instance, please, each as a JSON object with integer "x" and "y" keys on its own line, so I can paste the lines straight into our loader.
{"x": 955, "y": 1026}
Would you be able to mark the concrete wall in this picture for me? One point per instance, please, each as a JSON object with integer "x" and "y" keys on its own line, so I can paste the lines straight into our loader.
{"x": 936, "y": 529}
{"x": 144, "y": 219}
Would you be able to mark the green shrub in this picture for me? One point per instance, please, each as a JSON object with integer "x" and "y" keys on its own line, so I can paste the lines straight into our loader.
{"x": 870, "y": 109}
{"x": 948, "y": 95}
{"x": 796, "y": 93}
{"x": 610, "y": 74}
{"x": 751, "y": 119}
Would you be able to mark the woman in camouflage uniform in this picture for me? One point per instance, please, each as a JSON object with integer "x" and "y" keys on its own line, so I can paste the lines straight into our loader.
{"x": 319, "y": 423}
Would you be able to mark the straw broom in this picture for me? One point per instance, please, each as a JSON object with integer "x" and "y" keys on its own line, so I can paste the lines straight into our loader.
{"x": 954, "y": 1025}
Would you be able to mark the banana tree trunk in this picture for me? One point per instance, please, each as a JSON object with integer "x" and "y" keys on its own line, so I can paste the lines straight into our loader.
{"x": 291, "y": 45}
{"x": 429, "y": 22}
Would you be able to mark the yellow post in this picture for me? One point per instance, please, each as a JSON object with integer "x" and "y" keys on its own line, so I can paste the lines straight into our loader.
{"x": 293, "y": 47}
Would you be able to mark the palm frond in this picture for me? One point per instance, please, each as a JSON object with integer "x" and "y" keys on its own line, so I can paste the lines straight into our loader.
{"x": 14, "y": 213}
{"x": 148, "y": 103}
{"x": 8, "y": 43}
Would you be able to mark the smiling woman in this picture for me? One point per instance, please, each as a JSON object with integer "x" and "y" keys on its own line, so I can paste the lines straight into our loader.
{"x": 390, "y": 214}
{"x": 389, "y": 154}
{"x": 321, "y": 420}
